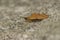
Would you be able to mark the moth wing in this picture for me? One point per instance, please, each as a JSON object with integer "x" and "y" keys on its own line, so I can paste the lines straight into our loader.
{"x": 42, "y": 16}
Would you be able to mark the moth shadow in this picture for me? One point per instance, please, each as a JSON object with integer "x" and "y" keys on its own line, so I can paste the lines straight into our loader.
{"x": 36, "y": 20}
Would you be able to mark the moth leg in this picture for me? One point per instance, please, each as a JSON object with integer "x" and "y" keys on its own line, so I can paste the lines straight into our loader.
{"x": 29, "y": 20}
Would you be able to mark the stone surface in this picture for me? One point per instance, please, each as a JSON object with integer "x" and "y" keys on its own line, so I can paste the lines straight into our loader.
{"x": 13, "y": 26}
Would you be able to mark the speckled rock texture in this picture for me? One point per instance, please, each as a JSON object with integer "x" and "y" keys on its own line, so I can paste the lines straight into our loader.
{"x": 13, "y": 26}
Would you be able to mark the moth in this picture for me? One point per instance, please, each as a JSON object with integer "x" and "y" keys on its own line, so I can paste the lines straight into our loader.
{"x": 36, "y": 17}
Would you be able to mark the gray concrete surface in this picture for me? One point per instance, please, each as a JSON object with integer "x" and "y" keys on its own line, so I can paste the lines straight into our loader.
{"x": 14, "y": 27}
